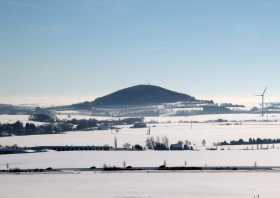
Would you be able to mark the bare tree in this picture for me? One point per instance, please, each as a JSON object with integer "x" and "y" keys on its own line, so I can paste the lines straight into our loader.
{"x": 203, "y": 142}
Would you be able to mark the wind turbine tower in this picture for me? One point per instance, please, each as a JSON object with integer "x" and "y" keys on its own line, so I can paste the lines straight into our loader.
{"x": 262, "y": 95}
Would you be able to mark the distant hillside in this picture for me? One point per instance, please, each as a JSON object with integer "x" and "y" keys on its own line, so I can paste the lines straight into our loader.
{"x": 12, "y": 109}
{"x": 139, "y": 95}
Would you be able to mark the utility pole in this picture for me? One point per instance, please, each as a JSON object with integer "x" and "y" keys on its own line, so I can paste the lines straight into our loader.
{"x": 115, "y": 142}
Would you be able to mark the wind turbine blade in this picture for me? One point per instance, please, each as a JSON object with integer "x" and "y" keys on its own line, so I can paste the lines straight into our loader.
{"x": 264, "y": 91}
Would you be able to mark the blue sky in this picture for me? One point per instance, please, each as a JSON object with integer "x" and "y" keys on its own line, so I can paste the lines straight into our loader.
{"x": 67, "y": 50}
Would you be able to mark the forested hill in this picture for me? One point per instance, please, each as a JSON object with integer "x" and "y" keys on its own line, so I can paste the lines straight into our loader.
{"x": 138, "y": 95}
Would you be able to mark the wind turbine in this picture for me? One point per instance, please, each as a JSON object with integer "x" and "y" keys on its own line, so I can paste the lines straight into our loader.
{"x": 262, "y": 95}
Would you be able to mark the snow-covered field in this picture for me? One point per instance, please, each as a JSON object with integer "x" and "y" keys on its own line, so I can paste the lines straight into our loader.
{"x": 13, "y": 118}
{"x": 147, "y": 185}
{"x": 86, "y": 159}
{"x": 83, "y": 116}
{"x": 142, "y": 185}
{"x": 212, "y": 117}
{"x": 175, "y": 119}
{"x": 172, "y": 127}
{"x": 162, "y": 119}
{"x": 211, "y": 132}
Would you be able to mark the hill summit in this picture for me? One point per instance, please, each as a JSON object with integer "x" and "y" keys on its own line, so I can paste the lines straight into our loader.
{"x": 138, "y": 95}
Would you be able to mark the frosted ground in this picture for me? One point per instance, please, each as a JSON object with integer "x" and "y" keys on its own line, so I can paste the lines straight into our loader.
{"x": 172, "y": 127}
{"x": 142, "y": 184}
{"x": 86, "y": 159}
{"x": 13, "y": 118}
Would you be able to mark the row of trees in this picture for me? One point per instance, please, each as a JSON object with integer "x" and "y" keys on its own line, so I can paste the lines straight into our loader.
{"x": 18, "y": 128}
{"x": 82, "y": 124}
{"x": 89, "y": 123}
{"x": 157, "y": 143}
{"x": 163, "y": 144}
{"x": 250, "y": 141}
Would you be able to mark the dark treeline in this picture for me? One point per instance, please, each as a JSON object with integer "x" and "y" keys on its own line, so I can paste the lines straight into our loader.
{"x": 14, "y": 110}
{"x": 14, "y": 149}
{"x": 18, "y": 128}
{"x": 85, "y": 124}
{"x": 250, "y": 141}
{"x": 163, "y": 144}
